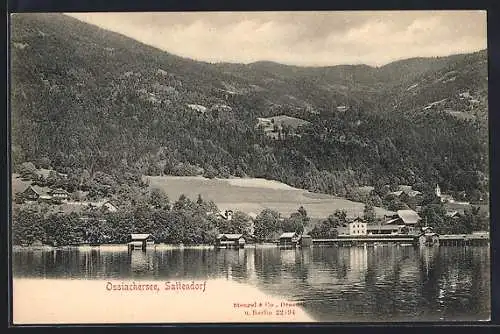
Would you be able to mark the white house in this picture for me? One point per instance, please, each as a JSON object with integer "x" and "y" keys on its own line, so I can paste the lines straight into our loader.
{"x": 355, "y": 227}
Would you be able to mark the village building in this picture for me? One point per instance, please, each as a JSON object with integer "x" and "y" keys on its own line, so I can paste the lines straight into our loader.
{"x": 443, "y": 197}
{"x": 35, "y": 193}
{"x": 289, "y": 239}
{"x": 225, "y": 214}
{"x": 453, "y": 214}
{"x": 402, "y": 222}
{"x": 409, "y": 217}
{"x": 140, "y": 241}
{"x": 31, "y": 194}
{"x": 59, "y": 194}
{"x": 407, "y": 190}
{"x": 385, "y": 229}
{"x": 356, "y": 227}
{"x": 229, "y": 240}
{"x": 108, "y": 206}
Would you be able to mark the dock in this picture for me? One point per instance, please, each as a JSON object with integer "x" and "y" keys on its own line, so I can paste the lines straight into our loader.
{"x": 464, "y": 239}
{"x": 351, "y": 241}
{"x": 444, "y": 240}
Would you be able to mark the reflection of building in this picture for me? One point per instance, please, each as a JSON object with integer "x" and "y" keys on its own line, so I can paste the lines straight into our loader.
{"x": 358, "y": 262}
{"x": 250, "y": 265}
{"x": 288, "y": 256}
{"x": 139, "y": 261}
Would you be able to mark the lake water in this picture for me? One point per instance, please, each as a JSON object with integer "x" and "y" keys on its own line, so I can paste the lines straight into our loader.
{"x": 381, "y": 283}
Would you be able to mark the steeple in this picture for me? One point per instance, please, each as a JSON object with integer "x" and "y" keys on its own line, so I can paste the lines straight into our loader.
{"x": 438, "y": 191}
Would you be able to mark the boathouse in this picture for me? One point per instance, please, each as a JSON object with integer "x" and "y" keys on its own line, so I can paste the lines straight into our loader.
{"x": 140, "y": 241}
{"x": 289, "y": 239}
{"x": 228, "y": 240}
{"x": 428, "y": 237}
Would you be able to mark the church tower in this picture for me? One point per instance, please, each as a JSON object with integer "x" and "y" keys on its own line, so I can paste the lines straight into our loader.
{"x": 438, "y": 191}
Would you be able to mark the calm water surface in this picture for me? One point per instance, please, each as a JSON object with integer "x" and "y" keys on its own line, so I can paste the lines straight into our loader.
{"x": 382, "y": 283}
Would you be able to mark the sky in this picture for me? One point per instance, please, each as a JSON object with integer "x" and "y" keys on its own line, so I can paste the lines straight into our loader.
{"x": 302, "y": 38}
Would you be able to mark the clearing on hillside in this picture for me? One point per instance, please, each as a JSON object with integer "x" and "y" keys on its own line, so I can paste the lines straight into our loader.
{"x": 251, "y": 195}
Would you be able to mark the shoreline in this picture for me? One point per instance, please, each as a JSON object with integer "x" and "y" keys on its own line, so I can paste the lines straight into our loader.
{"x": 207, "y": 246}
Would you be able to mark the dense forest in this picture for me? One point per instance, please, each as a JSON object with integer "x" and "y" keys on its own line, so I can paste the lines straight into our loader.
{"x": 97, "y": 105}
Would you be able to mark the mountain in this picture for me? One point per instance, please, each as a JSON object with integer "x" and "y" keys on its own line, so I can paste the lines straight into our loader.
{"x": 85, "y": 99}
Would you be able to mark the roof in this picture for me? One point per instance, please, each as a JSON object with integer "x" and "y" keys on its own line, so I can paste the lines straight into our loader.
{"x": 404, "y": 187}
{"x": 231, "y": 236}
{"x": 139, "y": 236}
{"x": 413, "y": 193}
{"x": 409, "y": 192}
{"x": 366, "y": 189}
{"x": 37, "y": 189}
{"x": 397, "y": 193}
{"x": 58, "y": 190}
{"x": 409, "y": 217}
{"x": 392, "y": 221}
{"x": 288, "y": 235}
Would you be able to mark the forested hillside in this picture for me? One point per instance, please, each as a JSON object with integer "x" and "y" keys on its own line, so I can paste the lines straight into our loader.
{"x": 86, "y": 100}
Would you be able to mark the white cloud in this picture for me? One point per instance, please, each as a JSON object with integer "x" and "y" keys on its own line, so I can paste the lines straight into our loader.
{"x": 302, "y": 38}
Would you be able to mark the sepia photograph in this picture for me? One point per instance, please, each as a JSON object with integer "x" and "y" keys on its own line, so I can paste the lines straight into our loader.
{"x": 249, "y": 167}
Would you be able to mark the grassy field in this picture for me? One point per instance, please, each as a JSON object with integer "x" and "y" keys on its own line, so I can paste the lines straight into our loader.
{"x": 253, "y": 195}
{"x": 248, "y": 195}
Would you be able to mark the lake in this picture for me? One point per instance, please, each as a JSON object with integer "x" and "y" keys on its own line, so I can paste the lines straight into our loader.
{"x": 332, "y": 284}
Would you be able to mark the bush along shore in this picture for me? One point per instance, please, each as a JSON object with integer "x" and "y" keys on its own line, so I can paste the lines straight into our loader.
{"x": 184, "y": 222}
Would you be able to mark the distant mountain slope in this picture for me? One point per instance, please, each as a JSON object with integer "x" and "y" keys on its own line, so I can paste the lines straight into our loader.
{"x": 461, "y": 86}
{"x": 88, "y": 99}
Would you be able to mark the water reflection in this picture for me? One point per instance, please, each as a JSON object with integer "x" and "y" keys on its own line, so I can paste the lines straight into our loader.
{"x": 334, "y": 283}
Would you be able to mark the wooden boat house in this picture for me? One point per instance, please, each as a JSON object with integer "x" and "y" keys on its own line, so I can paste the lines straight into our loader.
{"x": 140, "y": 241}
{"x": 428, "y": 237}
{"x": 289, "y": 239}
{"x": 228, "y": 240}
